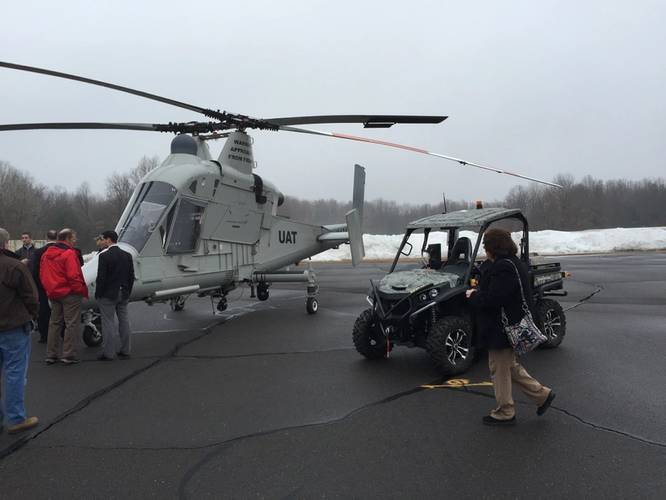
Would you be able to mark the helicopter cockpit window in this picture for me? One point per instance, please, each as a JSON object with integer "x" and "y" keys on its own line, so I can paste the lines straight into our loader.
{"x": 185, "y": 228}
{"x": 146, "y": 212}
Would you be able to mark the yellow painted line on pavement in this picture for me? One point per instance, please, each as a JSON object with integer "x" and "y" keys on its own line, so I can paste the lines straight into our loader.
{"x": 457, "y": 383}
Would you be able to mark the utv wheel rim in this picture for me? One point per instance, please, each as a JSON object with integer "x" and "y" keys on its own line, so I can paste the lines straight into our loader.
{"x": 456, "y": 346}
{"x": 552, "y": 324}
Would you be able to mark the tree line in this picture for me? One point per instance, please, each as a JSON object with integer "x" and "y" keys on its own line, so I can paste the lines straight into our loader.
{"x": 26, "y": 205}
{"x": 586, "y": 204}
{"x": 592, "y": 203}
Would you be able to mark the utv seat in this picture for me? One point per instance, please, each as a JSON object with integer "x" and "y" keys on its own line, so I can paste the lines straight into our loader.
{"x": 435, "y": 252}
{"x": 461, "y": 255}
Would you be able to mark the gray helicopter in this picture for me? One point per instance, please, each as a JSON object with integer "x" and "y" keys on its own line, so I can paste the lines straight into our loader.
{"x": 201, "y": 226}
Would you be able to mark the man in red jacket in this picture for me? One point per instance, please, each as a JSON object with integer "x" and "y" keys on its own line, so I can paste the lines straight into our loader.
{"x": 60, "y": 273}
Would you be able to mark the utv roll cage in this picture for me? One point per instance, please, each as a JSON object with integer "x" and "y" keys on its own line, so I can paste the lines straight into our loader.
{"x": 477, "y": 220}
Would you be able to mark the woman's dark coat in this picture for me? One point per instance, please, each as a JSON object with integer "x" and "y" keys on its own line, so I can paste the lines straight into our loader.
{"x": 498, "y": 287}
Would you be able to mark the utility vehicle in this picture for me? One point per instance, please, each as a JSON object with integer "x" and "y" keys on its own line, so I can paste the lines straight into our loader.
{"x": 422, "y": 303}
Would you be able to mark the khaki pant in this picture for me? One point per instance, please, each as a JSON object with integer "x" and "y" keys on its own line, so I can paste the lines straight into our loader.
{"x": 65, "y": 314}
{"x": 504, "y": 369}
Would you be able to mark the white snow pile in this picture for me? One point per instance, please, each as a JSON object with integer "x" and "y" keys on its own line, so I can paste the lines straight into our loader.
{"x": 620, "y": 239}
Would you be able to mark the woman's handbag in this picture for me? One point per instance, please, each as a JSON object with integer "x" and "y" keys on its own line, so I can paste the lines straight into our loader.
{"x": 524, "y": 336}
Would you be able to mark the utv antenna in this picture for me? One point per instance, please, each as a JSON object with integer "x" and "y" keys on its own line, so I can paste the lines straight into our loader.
{"x": 444, "y": 200}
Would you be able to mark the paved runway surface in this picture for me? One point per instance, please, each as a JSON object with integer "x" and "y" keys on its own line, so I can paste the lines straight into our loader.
{"x": 266, "y": 401}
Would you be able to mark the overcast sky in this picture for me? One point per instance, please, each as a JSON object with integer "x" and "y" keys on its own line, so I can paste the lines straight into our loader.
{"x": 541, "y": 87}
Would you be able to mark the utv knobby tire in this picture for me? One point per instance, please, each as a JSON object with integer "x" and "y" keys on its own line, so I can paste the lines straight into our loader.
{"x": 368, "y": 340}
{"x": 552, "y": 322}
{"x": 450, "y": 346}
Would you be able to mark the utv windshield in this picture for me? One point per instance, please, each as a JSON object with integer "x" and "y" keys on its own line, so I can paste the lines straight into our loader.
{"x": 423, "y": 249}
{"x": 150, "y": 204}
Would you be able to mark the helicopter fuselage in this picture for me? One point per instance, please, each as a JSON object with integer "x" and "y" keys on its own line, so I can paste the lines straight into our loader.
{"x": 197, "y": 225}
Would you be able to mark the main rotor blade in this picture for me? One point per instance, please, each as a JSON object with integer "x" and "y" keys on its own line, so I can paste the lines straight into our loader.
{"x": 80, "y": 126}
{"x": 369, "y": 121}
{"x": 207, "y": 112}
{"x": 415, "y": 150}
{"x": 176, "y": 128}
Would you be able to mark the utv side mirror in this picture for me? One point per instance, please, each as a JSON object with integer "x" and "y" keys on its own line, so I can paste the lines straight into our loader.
{"x": 408, "y": 252}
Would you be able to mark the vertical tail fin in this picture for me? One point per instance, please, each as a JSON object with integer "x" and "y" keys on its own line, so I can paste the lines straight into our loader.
{"x": 359, "y": 190}
{"x": 355, "y": 217}
{"x": 352, "y": 231}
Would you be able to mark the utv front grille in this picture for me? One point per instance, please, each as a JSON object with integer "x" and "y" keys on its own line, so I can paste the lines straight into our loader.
{"x": 401, "y": 308}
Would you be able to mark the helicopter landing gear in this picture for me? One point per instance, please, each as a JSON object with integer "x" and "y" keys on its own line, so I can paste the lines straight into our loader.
{"x": 92, "y": 328}
{"x": 222, "y": 304}
{"x": 177, "y": 303}
{"x": 262, "y": 291}
{"x": 308, "y": 276}
{"x": 311, "y": 303}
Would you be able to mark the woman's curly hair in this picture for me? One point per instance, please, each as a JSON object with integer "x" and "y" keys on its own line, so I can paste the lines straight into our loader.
{"x": 498, "y": 242}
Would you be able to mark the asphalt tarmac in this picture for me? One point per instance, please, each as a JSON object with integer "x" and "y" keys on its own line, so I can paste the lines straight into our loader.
{"x": 266, "y": 401}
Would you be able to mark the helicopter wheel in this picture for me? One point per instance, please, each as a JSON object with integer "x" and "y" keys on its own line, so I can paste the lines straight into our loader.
{"x": 262, "y": 291}
{"x": 312, "y": 305}
{"x": 222, "y": 304}
{"x": 92, "y": 332}
{"x": 177, "y": 303}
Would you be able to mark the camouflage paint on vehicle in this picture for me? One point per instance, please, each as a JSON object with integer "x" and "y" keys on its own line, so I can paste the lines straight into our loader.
{"x": 403, "y": 282}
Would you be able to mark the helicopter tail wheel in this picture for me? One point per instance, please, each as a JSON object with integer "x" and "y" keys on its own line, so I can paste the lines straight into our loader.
{"x": 312, "y": 305}
{"x": 262, "y": 291}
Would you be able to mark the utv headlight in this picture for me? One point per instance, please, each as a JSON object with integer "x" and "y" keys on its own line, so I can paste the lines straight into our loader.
{"x": 423, "y": 297}
{"x": 546, "y": 278}
{"x": 433, "y": 293}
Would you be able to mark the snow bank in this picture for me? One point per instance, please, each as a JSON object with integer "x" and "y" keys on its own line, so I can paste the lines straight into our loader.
{"x": 379, "y": 246}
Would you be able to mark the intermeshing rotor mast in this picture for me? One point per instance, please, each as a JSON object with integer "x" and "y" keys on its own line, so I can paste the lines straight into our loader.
{"x": 225, "y": 121}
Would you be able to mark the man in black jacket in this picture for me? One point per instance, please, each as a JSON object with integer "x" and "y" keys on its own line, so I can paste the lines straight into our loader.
{"x": 115, "y": 278}
{"x": 27, "y": 251}
{"x": 44, "y": 307}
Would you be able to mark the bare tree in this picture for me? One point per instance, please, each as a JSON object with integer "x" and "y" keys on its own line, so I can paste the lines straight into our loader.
{"x": 144, "y": 166}
{"x": 119, "y": 189}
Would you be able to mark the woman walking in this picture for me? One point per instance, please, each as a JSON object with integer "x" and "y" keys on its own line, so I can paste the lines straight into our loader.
{"x": 499, "y": 288}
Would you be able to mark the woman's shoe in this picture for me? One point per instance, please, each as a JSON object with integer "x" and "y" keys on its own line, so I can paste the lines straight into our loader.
{"x": 488, "y": 420}
{"x": 546, "y": 404}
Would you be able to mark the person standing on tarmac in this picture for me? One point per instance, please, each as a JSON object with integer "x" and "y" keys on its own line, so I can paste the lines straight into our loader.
{"x": 100, "y": 243}
{"x": 27, "y": 251}
{"x": 44, "y": 307}
{"x": 115, "y": 279}
{"x": 499, "y": 289}
{"x": 18, "y": 305}
{"x": 60, "y": 273}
